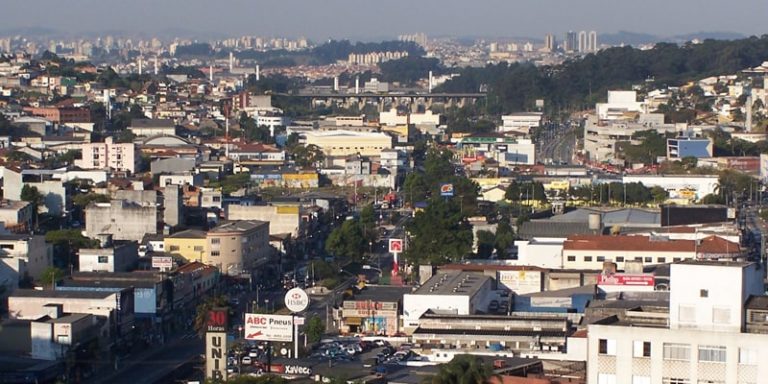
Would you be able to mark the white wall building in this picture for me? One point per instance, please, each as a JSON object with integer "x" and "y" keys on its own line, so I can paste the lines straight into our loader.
{"x": 619, "y": 103}
{"x": 522, "y": 123}
{"x": 457, "y": 293}
{"x": 392, "y": 118}
{"x": 678, "y": 186}
{"x": 701, "y": 341}
{"x": 542, "y": 252}
{"x": 117, "y": 156}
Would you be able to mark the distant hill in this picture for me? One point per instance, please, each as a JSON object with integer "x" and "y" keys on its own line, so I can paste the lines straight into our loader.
{"x": 635, "y": 38}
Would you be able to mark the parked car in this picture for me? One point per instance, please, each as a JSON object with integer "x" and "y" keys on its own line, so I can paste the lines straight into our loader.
{"x": 247, "y": 360}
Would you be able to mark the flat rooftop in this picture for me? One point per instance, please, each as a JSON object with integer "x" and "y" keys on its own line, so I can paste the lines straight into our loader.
{"x": 453, "y": 283}
{"x": 238, "y": 226}
{"x": 32, "y": 293}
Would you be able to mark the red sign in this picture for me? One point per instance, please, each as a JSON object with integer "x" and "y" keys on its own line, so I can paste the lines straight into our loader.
{"x": 623, "y": 279}
{"x": 217, "y": 320}
{"x": 395, "y": 245}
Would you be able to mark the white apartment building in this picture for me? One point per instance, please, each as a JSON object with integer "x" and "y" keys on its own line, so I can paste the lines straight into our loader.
{"x": 393, "y": 118}
{"x": 601, "y": 136}
{"x": 116, "y": 156}
{"x": 342, "y": 143}
{"x": 701, "y": 339}
{"x": 23, "y": 255}
{"x": 619, "y": 103}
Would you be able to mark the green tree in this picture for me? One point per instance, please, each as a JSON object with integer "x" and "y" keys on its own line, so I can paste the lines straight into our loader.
{"x": 82, "y": 200}
{"x": 368, "y": 223}
{"x": 440, "y": 234}
{"x": 463, "y": 369}
{"x": 485, "y": 244}
{"x": 659, "y": 194}
{"x": 315, "y": 329}
{"x": 505, "y": 238}
{"x": 50, "y": 276}
{"x": 31, "y": 195}
{"x": 307, "y": 156}
{"x": 347, "y": 241}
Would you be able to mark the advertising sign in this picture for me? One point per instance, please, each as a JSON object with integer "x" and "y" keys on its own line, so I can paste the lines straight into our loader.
{"x": 216, "y": 356}
{"x": 162, "y": 262}
{"x": 296, "y": 300}
{"x": 521, "y": 282}
{"x": 268, "y": 327}
{"x": 446, "y": 190}
{"x": 217, "y": 320}
{"x": 626, "y": 280}
{"x": 395, "y": 245}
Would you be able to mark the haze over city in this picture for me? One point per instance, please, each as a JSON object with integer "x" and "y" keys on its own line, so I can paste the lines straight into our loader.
{"x": 373, "y": 20}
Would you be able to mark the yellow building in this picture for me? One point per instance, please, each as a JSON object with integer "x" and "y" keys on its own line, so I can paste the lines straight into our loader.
{"x": 190, "y": 245}
{"x": 342, "y": 143}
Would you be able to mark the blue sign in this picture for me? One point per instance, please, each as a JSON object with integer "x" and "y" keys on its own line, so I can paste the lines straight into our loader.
{"x": 446, "y": 190}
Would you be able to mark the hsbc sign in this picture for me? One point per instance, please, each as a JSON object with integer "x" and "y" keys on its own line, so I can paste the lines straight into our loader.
{"x": 268, "y": 327}
{"x": 296, "y": 300}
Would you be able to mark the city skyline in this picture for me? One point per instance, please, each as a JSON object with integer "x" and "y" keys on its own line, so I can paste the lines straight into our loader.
{"x": 347, "y": 19}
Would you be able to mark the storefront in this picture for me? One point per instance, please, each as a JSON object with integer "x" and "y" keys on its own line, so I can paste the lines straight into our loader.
{"x": 369, "y": 317}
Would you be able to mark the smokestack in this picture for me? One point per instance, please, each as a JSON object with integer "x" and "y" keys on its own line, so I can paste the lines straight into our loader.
{"x": 141, "y": 65}
{"x": 210, "y": 73}
{"x": 430, "y": 82}
{"x": 336, "y": 84}
{"x": 157, "y": 66}
{"x": 258, "y": 72}
{"x": 357, "y": 85}
{"x": 231, "y": 61}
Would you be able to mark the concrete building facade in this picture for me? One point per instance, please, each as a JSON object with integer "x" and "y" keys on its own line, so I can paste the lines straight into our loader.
{"x": 237, "y": 247}
{"x": 116, "y": 156}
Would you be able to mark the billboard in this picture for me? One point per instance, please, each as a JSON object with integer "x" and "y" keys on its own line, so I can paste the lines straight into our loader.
{"x": 446, "y": 190}
{"x": 395, "y": 245}
{"x": 216, "y": 356}
{"x": 521, "y": 282}
{"x": 162, "y": 262}
{"x": 268, "y": 327}
{"x": 626, "y": 280}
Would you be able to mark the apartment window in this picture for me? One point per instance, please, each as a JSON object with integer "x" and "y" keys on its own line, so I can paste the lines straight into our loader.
{"x": 661, "y": 260}
{"x": 641, "y": 348}
{"x": 215, "y": 241}
{"x": 215, "y": 253}
{"x": 619, "y": 259}
{"x": 641, "y": 380}
{"x": 6, "y": 246}
{"x": 103, "y": 259}
{"x": 571, "y": 258}
{"x": 677, "y": 351}
{"x": 606, "y": 378}
{"x": 174, "y": 248}
{"x": 675, "y": 380}
{"x": 721, "y": 315}
{"x": 677, "y": 259}
{"x": 638, "y": 259}
{"x": 601, "y": 258}
{"x": 648, "y": 260}
{"x": 587, "y": 258}
{"x": 714, "y": 354}
{"x": 703, "y": 293}
{"x": 217, "y": 199}
{"x": 686, "y": 314}
{"x": 198, "y": 248}
{"x": 607, "y": 347}
{"x": 747, "y": 356}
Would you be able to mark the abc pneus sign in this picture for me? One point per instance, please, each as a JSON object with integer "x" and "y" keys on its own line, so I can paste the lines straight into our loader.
{"x": 296, "y": 300}
{"x": 268, "y": 327}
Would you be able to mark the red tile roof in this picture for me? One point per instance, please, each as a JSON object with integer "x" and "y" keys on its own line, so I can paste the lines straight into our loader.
{"x": 711, "y": 244}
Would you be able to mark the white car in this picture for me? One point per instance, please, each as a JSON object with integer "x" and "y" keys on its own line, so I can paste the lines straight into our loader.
{"x": 247, "y": 360}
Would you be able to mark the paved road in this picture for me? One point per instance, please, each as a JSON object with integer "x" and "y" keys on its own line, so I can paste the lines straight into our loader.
{"x": 150, "y": 366}
{"x": 556, "y": 143}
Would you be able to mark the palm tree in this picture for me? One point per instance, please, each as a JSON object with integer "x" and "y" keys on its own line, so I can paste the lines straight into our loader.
{"x": 463, "y": 369}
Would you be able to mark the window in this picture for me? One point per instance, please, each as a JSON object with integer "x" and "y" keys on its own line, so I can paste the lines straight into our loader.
{"x": 215, "y": 241}
{"x": 571, "y": 258}
{"x": 721, "y": 315}
{"x": 703, "y": 293}
{"x": 661, "y": 260}
{"x": 174, "y": 248}
{"x": 675, "y": 380}
{"x": 601, "y": 258}
{"x": 607, "y": 347}
{"x": 641, "y": 380}
{"x": 747, "y": 356}
{"x": 619, "y": 259}
{"x": 587, "y": 258}
{"x": 606, "y": 378}
{"x": 638, "y": 259}
{"x": 215, "y": 253}
{"x": 677, "y": 259}
{"x": 686, "y": 314}
{"x": 198, "y": 248}
{"x": 6, "y": 246}
{"x": 648, "y": 260}
{"x": 677, "y": 351}
{"x": 103, "y": 259}
{"x": 217, "y": 199}
{"x": 641, "y": 348}
{"x": 715, "y": 354}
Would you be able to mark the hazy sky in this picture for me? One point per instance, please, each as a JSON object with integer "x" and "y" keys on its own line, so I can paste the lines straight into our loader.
{"x": 361, "y": 19}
